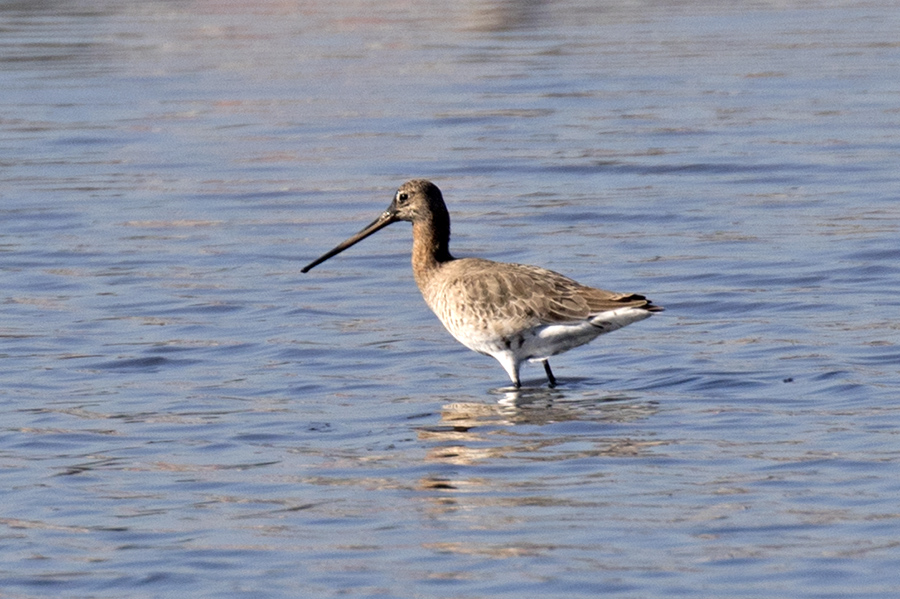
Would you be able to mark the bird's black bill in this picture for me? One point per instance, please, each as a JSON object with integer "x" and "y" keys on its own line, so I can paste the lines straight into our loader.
{"x": 386, "y": 218}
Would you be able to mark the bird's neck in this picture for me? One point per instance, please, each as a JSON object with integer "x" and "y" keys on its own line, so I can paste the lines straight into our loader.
{"x": 431, "y": 248}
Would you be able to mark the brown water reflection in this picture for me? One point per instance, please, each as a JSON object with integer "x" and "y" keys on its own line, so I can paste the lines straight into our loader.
{"x": 474, "y": 432}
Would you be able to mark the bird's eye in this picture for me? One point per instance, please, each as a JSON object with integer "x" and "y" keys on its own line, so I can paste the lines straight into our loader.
{"x": 402, "y": 197}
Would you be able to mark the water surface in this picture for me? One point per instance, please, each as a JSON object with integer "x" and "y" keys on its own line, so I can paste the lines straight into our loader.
{"x": 184, "y": 412}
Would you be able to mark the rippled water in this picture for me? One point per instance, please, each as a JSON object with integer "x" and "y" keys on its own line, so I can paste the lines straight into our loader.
{"x": 183, "y": 412}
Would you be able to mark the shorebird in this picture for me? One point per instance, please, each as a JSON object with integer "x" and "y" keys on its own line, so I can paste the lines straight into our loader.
{"x": 511, "y": 312}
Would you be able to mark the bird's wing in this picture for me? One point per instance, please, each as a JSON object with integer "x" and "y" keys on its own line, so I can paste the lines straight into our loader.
{"x": 518, "y": 296}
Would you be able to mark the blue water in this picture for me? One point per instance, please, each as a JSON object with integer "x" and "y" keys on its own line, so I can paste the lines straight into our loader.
{"x": 183, "y": 413}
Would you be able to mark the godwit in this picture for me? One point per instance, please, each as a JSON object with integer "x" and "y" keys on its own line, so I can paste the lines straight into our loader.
{"x": 511, "y": 312}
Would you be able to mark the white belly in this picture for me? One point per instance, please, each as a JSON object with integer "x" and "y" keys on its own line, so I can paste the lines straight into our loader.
{"x": 541, "y": 341}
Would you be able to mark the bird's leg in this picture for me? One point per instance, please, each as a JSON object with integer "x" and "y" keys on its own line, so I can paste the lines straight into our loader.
{"x": 549, "y": 372}
{"x": 510, "y": 365}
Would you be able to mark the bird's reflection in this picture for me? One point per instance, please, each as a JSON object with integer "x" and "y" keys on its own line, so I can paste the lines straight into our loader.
{"x": 542, "y": 405}
{"x": 474, "y": 431}
{"x": 510, "y": 451}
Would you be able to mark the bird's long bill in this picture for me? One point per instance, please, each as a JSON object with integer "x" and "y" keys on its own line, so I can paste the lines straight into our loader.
{"x": 386, "y": 218}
